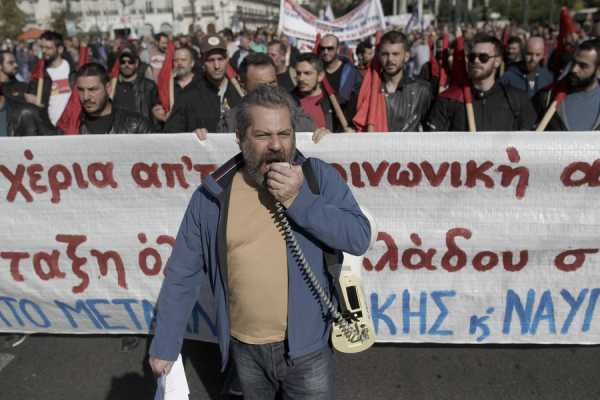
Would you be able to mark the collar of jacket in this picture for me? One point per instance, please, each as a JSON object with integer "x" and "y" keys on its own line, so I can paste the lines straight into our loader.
{"x": 480, "y": 94}
{"x": 83, "y": 117}
{"x": 217, "y": 182}
{"x": 403, "y": 82}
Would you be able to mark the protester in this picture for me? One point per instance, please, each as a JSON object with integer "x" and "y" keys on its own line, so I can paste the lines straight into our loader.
{"x": 157, "y": 54}
{"x": 258, "y": 69}
{"x": 580, "y": 110}
{"x": 134, "y": 92}
{"x": 365, "y": 53}
{"x": 530, "y": 75}
{"x": 57, "y": 75}
{"x": 19, "y": 118}
{"x": 497, "y": 107}
{"x": 514, "y": 51}
{"x": 98, "y": 115}
{"x": 343, "y": 77}
{"x": 407, "y": 100}
{"x": 286, "y": 76}
{"x": 309, "y": 93}
{"x": 218, "y": 92}
{"x": 11, "y": 86}
{"x": 241, "y": 53}
{"x": 268, "y": 319}
{"x": 183, "y": 117}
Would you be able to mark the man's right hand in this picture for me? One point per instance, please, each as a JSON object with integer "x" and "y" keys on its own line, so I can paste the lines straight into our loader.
{"x": 159, "y": 113}
{"x": 160, "y": 367}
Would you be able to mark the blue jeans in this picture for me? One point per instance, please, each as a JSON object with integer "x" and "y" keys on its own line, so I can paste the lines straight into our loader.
{"x": 265, "y": 370}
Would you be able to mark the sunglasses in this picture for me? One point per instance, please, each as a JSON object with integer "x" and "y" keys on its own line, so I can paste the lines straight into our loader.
{"x": 127, "y": 61}
{"x": 483, "y": 57}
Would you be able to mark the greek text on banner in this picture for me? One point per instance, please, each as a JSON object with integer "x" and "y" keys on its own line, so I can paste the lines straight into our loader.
{"x": 487, "y": 238}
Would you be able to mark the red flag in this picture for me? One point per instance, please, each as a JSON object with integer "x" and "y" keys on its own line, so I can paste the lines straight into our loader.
{"x": 69, "y": 121}
{"x": 165, "y": 76}
{"x": 38, "y": 70}
{"x": 460, "y": 89}
{"x": 116, "y": 69}
{"x": 317, "y": 46}
{"x": 370, "y": 108}
{"x": 505, "y": 36}
{"x": 230, "y": 72}
{"x": 84, "y": 56}
{"x": 435, "y": 68}
{"x": 567, "y": 28}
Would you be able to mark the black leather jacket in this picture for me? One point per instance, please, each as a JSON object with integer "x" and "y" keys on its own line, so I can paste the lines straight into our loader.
{"x": 123, "y": 122}
{"x": 25, "y": 119}
{"x": 408, "y": 106}
{"x": 145, "y": 96}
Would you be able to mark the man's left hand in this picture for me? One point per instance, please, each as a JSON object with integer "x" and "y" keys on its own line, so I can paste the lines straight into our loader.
{"x": 284, "y": 182}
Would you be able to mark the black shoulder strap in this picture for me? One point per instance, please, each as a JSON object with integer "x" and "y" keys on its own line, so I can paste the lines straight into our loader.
{"x": 511, "y": 104}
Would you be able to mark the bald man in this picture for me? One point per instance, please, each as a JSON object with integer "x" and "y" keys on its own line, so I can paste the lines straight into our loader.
{"x": 529, "y": 75}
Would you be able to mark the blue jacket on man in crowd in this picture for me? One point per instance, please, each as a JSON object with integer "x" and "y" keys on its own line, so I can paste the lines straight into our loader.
{"x": 330, "y": 219}
{"x": 516, "y": 76}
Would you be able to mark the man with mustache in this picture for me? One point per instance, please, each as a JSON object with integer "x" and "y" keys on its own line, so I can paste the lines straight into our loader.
{"x": 268, "y": 322}
{"x": 497, "y": 107}
{"x": 580, "y": 111}
{"x": 98, "y": 115}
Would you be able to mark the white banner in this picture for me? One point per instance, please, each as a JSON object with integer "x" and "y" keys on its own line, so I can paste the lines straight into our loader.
{"x": 487, "y": 238}
{"x": 364, "y": 20}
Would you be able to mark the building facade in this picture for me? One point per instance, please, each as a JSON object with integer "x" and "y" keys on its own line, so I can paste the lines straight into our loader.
{"x": 143, "y": 17}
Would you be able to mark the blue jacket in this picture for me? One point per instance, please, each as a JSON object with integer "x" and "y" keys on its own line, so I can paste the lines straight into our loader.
{"x": 329, "y": 220}
{"x": 517, "y": 78}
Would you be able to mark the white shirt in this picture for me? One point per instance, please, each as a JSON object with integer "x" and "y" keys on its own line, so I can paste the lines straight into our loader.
{"x": 60, "y": 92}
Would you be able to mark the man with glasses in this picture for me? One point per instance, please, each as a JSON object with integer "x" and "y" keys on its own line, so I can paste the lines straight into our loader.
{"x": 497, "y": 107}
{"x": 341, "y": 74}
{"x": 134, "y": 92}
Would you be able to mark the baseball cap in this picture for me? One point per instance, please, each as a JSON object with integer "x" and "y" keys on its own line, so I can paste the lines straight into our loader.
{"x": 212, "y": 42}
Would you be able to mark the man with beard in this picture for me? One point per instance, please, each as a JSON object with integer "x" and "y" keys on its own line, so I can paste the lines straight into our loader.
{"x": 134, "y": 92}
{"x": 269, "y": 323}
{"x": 580, "y": 111}
{"x": 343, "y": 77}
{"x": 365, "y": 53}
{"x": 8, "y": 76}
{"x": 98, "y": 115}
{"x": 310, "y": 73}
{"x": 514, "y": 51}
{"x": 184, "y": 115}
{"x": 529, "y": 75}
{"x": 219, "y": 94}
{"x": 57, "y": 77}
{"x": 407, "y": 100}
{"x": 497, "y": 107}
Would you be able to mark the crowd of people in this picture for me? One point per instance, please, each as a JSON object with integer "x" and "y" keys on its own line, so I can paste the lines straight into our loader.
{"x": 513, "y": 76}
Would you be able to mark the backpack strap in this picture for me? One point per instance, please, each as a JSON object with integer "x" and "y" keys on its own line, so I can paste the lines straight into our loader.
{"x": 512, "y": 105}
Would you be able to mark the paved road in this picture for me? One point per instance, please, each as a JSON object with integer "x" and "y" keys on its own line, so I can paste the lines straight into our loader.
{"x": 94, "y": 367}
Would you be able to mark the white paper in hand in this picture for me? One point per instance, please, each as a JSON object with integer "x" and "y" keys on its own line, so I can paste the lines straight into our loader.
{"x": 173, "y": 386}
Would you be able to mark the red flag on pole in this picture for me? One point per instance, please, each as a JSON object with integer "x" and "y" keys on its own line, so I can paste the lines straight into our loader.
{"x": 317, "y": 46}
{"x": 371, "y": 113}
{"x": 165, "y": 78}
{"x": 435, "y": 68}
{"x": 459, "y": 79}
{"x": 567, "y": 28}
{"x": 38, "y": 70}
{"x": 69, "y": 121}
